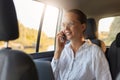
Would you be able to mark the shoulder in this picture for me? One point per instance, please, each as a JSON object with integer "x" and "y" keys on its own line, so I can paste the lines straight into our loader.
{"x": 95, "y": 50}
{"x": 92, "y": 46}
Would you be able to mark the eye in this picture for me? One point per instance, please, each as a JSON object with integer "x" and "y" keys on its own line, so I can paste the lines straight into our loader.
{"x": 71, "y": 24}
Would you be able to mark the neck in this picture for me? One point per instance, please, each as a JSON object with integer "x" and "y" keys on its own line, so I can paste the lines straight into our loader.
{"x": 75, "y": 44}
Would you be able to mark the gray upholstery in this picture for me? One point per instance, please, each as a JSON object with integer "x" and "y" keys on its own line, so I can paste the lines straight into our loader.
{"x": 8, "y": 21}
{"x": 118, "y": 40}
{"x": 91, "y": 29}
{"x": 14, "y": 64}
{"x": 44, "y": 70}
{"x": 113, "y": 57}
{"x": 90, "y": 32}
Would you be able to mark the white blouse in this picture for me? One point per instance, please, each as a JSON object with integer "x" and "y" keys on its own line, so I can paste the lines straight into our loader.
{"x": 88, "y": 64}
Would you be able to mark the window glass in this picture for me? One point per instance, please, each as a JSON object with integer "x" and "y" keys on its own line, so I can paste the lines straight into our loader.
{"x": 29, "y": 14}
{"x": 47, "y": 39}
{"x": 108, "y": 29}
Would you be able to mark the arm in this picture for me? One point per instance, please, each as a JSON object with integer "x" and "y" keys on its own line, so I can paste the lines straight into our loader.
{"x": 101, "y": 66}
{"x": 59, "y": 48}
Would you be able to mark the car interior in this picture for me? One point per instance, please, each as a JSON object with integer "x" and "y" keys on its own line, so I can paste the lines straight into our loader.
{"x": 14, "y": 64}
{"x": 93, "y": 9}
{"x": 113, "y": 57}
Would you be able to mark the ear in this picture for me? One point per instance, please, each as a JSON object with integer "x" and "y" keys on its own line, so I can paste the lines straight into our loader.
{"x": 84, "y": 27}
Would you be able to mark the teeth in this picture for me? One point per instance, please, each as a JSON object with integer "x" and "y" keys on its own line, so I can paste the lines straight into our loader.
{"x": 67, "y": 33}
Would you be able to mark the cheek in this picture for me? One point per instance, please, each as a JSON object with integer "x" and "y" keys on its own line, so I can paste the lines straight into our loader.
{"x": 73, "y": 30}
{"x": 78, "y": 32}
{"x": 77, "y": 29}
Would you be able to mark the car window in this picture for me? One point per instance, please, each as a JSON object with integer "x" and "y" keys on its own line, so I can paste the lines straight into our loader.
{"x": 29, "y": 13}
{"x": 108, "y": 29}
{"x": 47, "y": 39}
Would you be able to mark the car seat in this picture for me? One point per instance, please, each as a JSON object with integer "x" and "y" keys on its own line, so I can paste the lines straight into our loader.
{"x": 90, "y": 33}
{"x": 14, "y": 64}
{"x": 113, "y": 57}
{"x": 44, "y": 70}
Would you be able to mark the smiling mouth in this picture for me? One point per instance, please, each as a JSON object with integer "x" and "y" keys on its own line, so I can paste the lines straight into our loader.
{"x": 68, "y": 33}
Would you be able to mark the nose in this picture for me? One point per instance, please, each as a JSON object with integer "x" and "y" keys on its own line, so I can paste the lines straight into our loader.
{"x": 66, "y": 27}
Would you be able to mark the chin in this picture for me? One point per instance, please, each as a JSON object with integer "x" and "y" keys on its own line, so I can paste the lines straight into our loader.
{"x": 69, "y": 38}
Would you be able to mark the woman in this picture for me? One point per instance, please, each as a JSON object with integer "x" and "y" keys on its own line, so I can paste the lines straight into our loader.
{"x": 79, "y": 59}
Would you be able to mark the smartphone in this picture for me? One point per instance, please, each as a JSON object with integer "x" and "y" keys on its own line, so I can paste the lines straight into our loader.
{"x": 64, "y": 38}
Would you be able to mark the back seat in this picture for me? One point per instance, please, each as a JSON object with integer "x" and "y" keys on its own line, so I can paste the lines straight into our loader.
{"x": 90, "y": 33}
{"x": 113, "y": 57}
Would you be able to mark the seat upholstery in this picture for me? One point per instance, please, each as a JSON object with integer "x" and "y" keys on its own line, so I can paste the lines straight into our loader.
{"x": 44, "y": 70}
{"x": 8, "y": 21}
{"x": 91, "y": 29}
{"x": 90, "y": 33}
{"x": 113, "y": 57}
{"x": 14, "y": 64}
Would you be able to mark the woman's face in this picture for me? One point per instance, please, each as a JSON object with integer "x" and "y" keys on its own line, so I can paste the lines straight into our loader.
{"x": 72, "y": 28}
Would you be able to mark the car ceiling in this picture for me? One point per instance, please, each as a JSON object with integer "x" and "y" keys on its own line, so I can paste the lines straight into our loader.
{"x": 93, "y": 8}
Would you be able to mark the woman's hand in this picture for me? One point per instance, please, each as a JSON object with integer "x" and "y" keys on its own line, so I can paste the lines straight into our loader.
{"x": 60, "y": 43}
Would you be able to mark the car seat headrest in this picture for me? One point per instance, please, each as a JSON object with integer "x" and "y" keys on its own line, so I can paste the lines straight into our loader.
{"x": 8, "y": 21}
{"x": 16, "y": 65}
{"x": 118, "y": 40}
{"x": 90, "y": 32}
